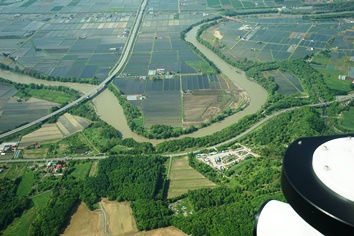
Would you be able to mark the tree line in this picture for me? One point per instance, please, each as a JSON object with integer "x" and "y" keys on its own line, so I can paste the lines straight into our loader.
{"x": 40, "y": 75}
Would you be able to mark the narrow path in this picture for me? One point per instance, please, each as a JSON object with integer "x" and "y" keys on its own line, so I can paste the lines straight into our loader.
{"x": 104, "y": 218}
{"x": 83, "y": 134}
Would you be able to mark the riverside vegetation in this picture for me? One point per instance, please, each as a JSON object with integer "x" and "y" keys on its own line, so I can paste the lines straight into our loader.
{"x": 136, "y": 172}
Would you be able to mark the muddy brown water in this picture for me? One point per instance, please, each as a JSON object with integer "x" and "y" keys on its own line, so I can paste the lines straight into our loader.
{"x": 110, "y": 111}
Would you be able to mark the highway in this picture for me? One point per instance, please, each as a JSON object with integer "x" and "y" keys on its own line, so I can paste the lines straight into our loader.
{"x": 127, "y": 49}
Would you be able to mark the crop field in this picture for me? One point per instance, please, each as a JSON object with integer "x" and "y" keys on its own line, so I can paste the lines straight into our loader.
{"x": 229, "y": 4}
{"x": 66, "y": 125}
{"x": 119, "y": 220}
{"x": 203, "y": 97}
{"x": 15, "y": 113}
{"x": 64, "y": 41}
{"x": 162, "y": 107}
{"x": 268, "y": 39}
{"x": 35, "y": 153}
{"x": 287, "y": 83}
{"x": 183, "y": 178}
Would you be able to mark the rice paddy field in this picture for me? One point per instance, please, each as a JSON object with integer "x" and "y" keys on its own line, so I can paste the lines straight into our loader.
{"x": 79, "y": 38}
{"x": 174, "y": 101}
{"x": 287, "y": 83}
{"x": 277, "y": 38}
{"x": 14, "y": 113}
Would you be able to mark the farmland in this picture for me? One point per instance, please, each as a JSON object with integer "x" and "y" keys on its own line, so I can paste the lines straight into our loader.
{"x": 182, "y": 100}
{"x": 86, "y": 222}
{"x": 66, "y": 125}
{"x": 14, "y": 113}
{"x": 276, "y": 38}
{"x": 184, "y": 178}
{"x": 287, "y": 83}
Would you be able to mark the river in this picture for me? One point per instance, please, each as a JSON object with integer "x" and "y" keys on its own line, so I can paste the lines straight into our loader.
{"x": 109, "y": 110}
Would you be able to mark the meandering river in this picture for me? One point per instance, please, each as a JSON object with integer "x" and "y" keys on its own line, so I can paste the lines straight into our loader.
{"x": 109, "y": 110}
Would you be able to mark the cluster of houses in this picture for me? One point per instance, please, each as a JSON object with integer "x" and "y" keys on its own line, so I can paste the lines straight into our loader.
{"x": 224, "y": 159}
{"x": 8, "y": 148}
{"x": 55, "y": 166}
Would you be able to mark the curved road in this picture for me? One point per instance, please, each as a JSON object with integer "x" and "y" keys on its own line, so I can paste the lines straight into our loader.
{"x": 101, "y": 86}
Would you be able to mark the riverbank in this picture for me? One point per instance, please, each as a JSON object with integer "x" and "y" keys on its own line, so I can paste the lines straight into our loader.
{"x": 110, "y": 111}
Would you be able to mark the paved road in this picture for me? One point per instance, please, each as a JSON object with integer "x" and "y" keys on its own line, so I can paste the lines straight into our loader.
{"x": 101, "y": 86}
{"x": 53, "y": 159}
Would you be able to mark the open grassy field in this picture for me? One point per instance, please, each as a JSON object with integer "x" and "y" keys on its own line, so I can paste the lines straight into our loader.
{"x": 49, "y": 95}
{"x": 93, "y": 169}
{"x": 21, "y": 225}
{"x": 17, "y": 169}
{"x": 26, "y": 184}
{"x": 5, "y": 171}
{"x": 348, "y": 119}
{"x": 332, "y": 81}
{"x": 183, "y": 178}
{"x": 81, "y": 170}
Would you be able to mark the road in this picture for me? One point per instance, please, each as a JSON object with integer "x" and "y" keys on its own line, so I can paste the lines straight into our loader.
{"x": 101, "y": 86}
{"x": 53, "y": 159}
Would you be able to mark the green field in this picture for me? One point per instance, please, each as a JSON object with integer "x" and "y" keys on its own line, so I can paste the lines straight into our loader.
{"x": 332, "y": 81}
{"x": 81, "y": 170}
{"x": 49, "y": 95}
{"x": 213, "y": 3}
{"x": 16, "y": 170}
{"x": 26, "y": 184}
{"x": 184, "y": 178}
{"x": 21, "y": 225}
{"x": 201, "y": 66}
{"x": 348, "y": 119}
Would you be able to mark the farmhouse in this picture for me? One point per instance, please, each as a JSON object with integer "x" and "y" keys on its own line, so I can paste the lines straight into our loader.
{"x": 4, "y": 147}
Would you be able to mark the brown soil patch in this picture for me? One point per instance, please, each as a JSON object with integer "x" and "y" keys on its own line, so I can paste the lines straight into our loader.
{"x": 196, "y": 105}
{"x": 169, "y": 231}
{"x": 120, "y": 220}
{"x": 85, "y": 222}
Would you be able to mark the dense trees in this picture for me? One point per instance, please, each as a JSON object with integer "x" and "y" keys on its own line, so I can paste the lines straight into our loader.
{"x": 11, "y": 205}
{"x": 54, "y": 216}
{"x": 126, "y": 178}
